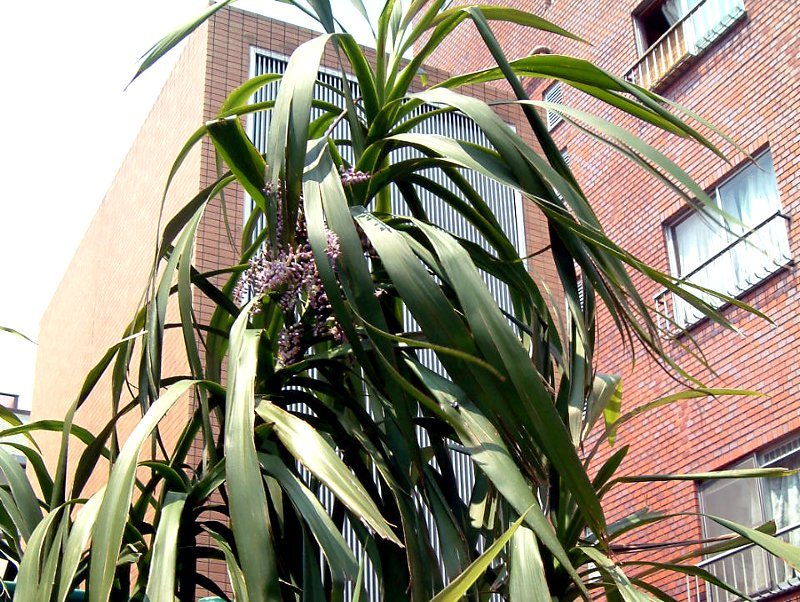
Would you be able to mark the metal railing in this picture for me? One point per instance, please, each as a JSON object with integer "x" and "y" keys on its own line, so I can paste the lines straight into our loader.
{"x": 748, "y": 569}
{"x": 685, "y": 39}
{"x": 733, "y": 270}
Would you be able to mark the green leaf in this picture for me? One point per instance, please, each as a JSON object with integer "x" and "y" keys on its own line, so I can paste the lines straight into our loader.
{"x": 491, "y": 456}
{"x": 288, "y": 131}
{"x": 311, "y": 450}
{"x": 111, "y": 519}
{"x": 248, "y": 504}
{"x": 788, "y": 553}
{"x": 742, "y": 473}
{"x": 500, "y": 346}
{"x": 623, "y": 584}
{"x": 508, "y": 15}
{"x": 25, "y": 500}
{"x": 76, "y": 542}
{"x": 234, "y": 571}
{"x": 37, "y": 571}
{"x": 16, "y": 333}
{"x": 459, "y": 586}
{"x": 614, "y": 421}
{"x": 694, "y": 571}
{"x": 342, "y": 562}
{"x": 527, "y": 579}
{"x": 172, "y": 39}
{"x": 161, "y": 579}
{"x": 240, "y": 155}
{"x": 605, "y": 399}
{"x": 239, "y": 98}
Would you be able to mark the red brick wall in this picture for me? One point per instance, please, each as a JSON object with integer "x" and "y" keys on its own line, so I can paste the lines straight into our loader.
{"x": 748, "y": 84}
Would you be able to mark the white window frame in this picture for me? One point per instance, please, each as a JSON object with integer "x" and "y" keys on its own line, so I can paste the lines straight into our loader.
{"x": 776, "y": 576}
{"x": 780, "y": 247}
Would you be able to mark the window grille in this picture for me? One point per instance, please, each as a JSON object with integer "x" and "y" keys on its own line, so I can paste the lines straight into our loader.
{"x": 731, "y": 247}
{"x": 555, "y": 95}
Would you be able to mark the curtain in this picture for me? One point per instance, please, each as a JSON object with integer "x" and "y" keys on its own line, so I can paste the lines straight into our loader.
{"x": 675, "y": 10}
{"x": 751, "y": 197}
{"x": 697, "y": 239}
{"x": 783, "y": 494}
{"x": 783, "y": 497}
{"x": 709, "y": 21}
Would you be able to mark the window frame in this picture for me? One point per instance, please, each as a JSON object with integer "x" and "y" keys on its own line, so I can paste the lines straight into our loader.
{"x": 760, "y": 460}
{"x": 688, "y": 211}
{"x": 639, "y": 34}
{"x": 767, "y": 576}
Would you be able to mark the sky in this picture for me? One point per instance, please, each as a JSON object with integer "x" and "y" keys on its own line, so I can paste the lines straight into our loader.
{"x": 68, "y": 123}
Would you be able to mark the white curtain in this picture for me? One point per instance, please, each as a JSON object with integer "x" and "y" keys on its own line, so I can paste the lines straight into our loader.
{"x": 709, "y": 21}
{"x": 675, "y": 10}
{"x": 697, "y": 239}
{"x": 783, "y": 497}
{"x": 751, "y": 197}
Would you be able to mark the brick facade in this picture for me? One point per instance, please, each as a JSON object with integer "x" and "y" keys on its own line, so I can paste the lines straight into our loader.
{"x": 748, "y": 83}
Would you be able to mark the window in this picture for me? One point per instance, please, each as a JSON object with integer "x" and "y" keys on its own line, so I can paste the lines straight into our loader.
{"x": 9, "y": 401}
{"x": 752, "y": 502}
{"x": 670, "y": 32}
{"x": 553, "y": 94}
{"x": 733, "y": 250}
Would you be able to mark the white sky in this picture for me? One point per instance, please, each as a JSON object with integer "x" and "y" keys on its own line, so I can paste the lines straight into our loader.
{"x": 67, "y": 127}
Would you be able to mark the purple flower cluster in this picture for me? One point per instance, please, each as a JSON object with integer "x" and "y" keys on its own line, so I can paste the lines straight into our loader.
{"x": 351, "y": 176}
{"x": 290, "y": 277}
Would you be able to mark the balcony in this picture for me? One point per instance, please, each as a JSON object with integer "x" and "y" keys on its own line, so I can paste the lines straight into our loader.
{"x": 749, "y": 569}
{"x": 671, "y": 53}
{"x": 734, "y": 270}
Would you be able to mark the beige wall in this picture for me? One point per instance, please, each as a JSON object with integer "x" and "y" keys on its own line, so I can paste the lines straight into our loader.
{"x": 104, "y": 283}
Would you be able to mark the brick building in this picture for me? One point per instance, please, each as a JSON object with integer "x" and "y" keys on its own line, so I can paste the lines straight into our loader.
{"x": 103, "y": 285}
{"x": 736, "y": 63}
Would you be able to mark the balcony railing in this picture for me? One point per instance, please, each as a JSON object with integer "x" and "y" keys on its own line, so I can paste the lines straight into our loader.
{"x": 734, "y": 270}
{"x": 749, "y": 569}
{"x": 683, "y": 41}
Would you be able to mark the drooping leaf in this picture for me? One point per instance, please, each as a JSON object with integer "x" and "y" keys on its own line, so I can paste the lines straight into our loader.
{"x": 172, "y": 39}
{"x": 110, "y": 524}
{"x": 459, "y": 586}
{"x": 248, "y": 504}
{"x": 309, "y": 448}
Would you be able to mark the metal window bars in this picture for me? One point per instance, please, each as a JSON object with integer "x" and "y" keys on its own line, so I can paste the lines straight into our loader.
{"x": 735, "y": 269}
{"x": 683, "y": 41}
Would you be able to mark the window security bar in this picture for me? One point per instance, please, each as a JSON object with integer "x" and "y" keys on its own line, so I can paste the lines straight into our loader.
{"x": 749, "y": 569}
{"x": 675, "y": 313}
{"x": 686, "y": 38}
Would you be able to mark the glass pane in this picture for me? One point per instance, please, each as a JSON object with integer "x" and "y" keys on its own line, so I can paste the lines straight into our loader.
{"x": 751, "y": 196}
{"x": 734, "y": 499}
{"x": 783, "y": 497}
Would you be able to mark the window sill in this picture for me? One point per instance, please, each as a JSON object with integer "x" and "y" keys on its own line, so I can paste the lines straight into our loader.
{"x": 679, "y": 332}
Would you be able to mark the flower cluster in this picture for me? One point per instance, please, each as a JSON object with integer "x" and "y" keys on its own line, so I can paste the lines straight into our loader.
{"x": 351, "y": 176}
{"x": 290, "y": 277}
